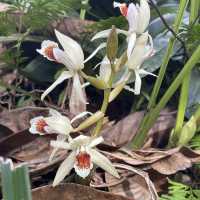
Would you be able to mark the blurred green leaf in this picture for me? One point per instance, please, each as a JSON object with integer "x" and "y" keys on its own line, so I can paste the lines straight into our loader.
{"x": 16, "y": 37}
{"x": 119, "y": 22}
{"x": 15, "y": 181}
{"x": 194, "y": 93}
{"x": 41, "y": 70}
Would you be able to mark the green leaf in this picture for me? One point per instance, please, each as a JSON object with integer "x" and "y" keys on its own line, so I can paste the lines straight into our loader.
{"x": 16, "y": 37}
{"x": 15, "y": 181}
{"x": 118, "y": 22}
{"x": 21, "y": 183}
{"x": 179, "y": 191}
{"x": 41, "y": 70}
{"x": 194, "y": 93}
{"x": 6, "y": 181}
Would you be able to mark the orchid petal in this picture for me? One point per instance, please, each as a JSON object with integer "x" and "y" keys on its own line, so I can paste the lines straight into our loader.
{"x": 125, "y": 76}
{"x": 33, "y": 128}
{"x": 53, "y": 112}
{"x": 72, "y": 49}
{"x": 65, "y": 75}
{"x": 137, "y": 56}
{"x": 83, "y": 172}
{"x": 116, "y": 4}
{"x": 105, "y": 70}
{"x": 81, "y": 140}
{"x": 144, "y": 72}
{"x": 105, "y": 33}
{"x": 53, "y": 153}
{"x": 96, "y": 141}
{"x": 128, "y": 88}
{"x": 132, "y": 17}
{"x": 81, "y": 115}
{"x": 103, "y": 162}
{"x": 61, "y": 124}
{"x": 65, "y": 168}
{"x": 46, "y": 46}
{"x": 63, "y": 58}
{"x": 60, "y": 144}
{"x": 138, "y": 83}
{"x": 131, "y": 44}
{"x": 144, "y": 16}
{"x": 84, "y": 85}
{"x": 78, "y": 99}
{"x": 101, "y": 46}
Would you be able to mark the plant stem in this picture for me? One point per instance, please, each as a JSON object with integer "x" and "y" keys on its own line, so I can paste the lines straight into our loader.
{"x": 103, "y": 109}
{"x": 104, "y": 106}
{"x": 182, "y": 105}
{"x": 197, "y": 115}
{"x": 140, "y": 138}
{"x": 83, "y": 10}
{"x": 152, "y": 116}
{"x": 177, "y": 23}
{"x": 194, "y": 10}
{"x": 194, "y": 7}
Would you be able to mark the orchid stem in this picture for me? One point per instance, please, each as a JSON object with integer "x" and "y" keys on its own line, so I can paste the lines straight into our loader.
{"x": 181, "y": 108}
{"x": 103, "y": 109}
{"x": 83, "y": 10}
{"x": 104, "y": 105}
{"x": 152, "y": 116}
{"x": 194, "y": 7}
{"x": 142, "y": 131}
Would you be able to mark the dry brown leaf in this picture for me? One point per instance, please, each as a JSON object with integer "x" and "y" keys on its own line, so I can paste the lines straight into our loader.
{"x": 19, "y": 119}
{"x": 31, "y": 149}
{"x": 73, "y": 192}
{"x": 133, "y": 186}
{"x": 4, "y": 132}
{"x": 75, "y": 105}
{"x": 165, "y": 162}
{"x": 141, "y": 157}
{"x": 142, "y": 187}
{"x": 172, "y": 164}
{"x": 123, "y": 131}
{"x": 72, "y": 27}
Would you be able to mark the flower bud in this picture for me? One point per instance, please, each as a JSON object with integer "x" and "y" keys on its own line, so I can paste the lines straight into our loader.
{"x": 187, "y": 131}
{"x": 121, "y": 62}
{"x": 112, "y": 44}
{"x": 116, "y": 91}
{"x": 90, "y": 121}
{"x": 96, "y": 82}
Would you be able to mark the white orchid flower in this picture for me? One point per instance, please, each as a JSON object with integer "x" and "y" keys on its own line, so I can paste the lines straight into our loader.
{"x": 118, "y": 84}
{"x": 39, "y": 126}
{"x": 140, "y": 52}
{"x": 73, "y": 58}
{"x": 54, "y": 123}
{"x": 138, "y": 19}
{"x": 138, "y": 16}
{"x": 82, "y": 157}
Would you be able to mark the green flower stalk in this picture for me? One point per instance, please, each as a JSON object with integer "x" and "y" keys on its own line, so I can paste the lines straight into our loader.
{"x": 175, "y": 137}
{"x": 142, "y": 132}
{"x": 152, "y": 116}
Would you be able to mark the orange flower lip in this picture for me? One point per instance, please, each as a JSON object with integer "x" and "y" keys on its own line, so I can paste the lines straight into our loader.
{"x": 49, "y": 52}
{"x": 40, "y": 126}
{"x": 83, "y": 160}
{"x": 123, "y": 9}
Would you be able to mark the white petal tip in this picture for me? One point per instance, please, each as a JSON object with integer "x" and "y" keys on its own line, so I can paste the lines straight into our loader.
{"x": 116, "y": 4}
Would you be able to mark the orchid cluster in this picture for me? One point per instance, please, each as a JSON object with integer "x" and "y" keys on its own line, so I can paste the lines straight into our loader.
{"x": 84, "y": 154}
